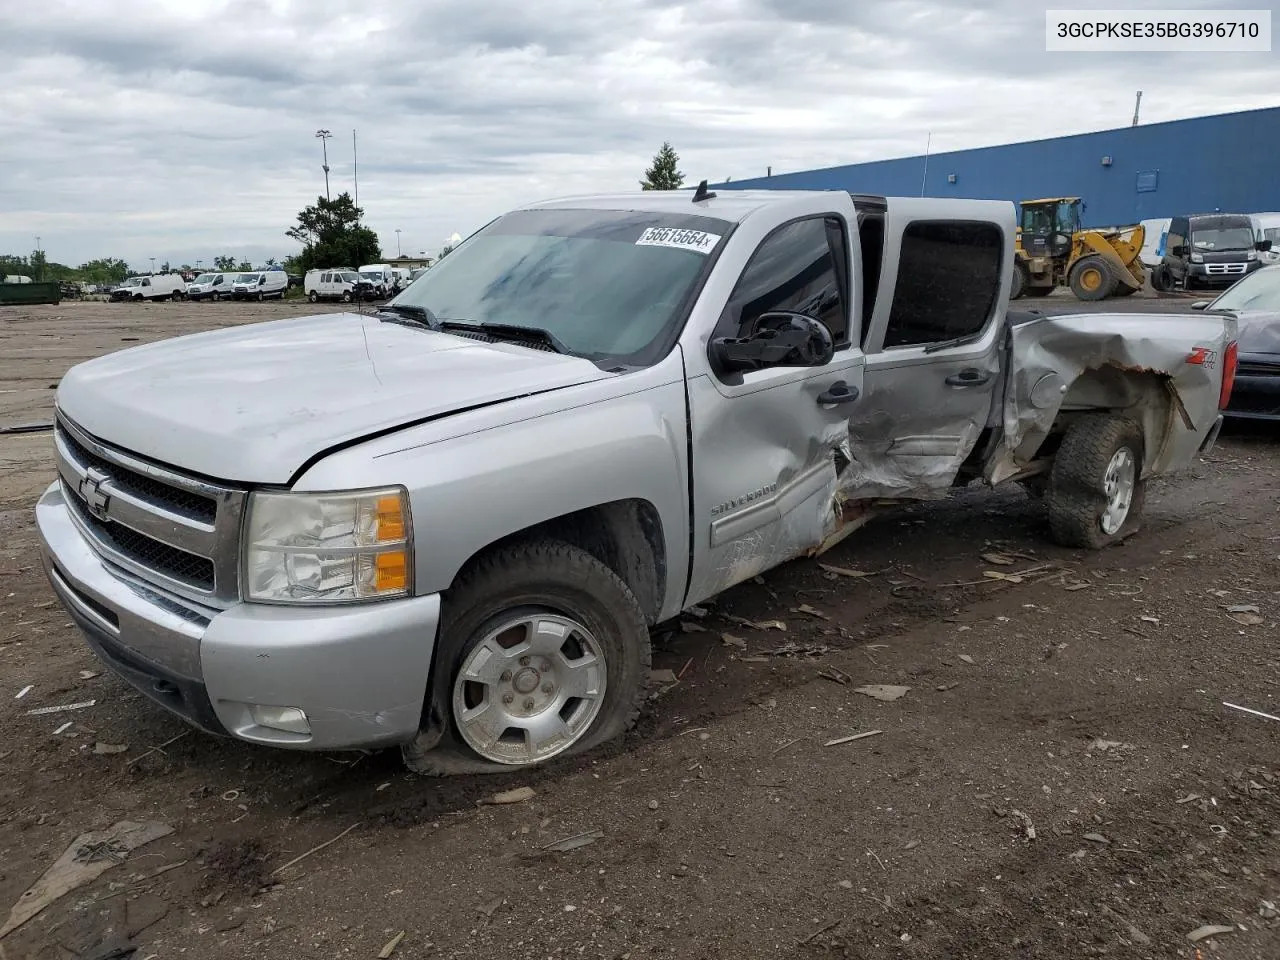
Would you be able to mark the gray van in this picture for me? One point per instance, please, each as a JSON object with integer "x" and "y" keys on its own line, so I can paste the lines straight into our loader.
{"x": 1208, "y": 250}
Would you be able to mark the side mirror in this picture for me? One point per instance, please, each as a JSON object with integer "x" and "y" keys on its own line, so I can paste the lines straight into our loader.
{"x": 1263, "y": 246}
{"x": 1200, "y": 305}
{"x": 780, "y": 339}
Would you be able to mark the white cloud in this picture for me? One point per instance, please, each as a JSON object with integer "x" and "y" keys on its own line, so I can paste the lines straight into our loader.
{"x": 165, "y": 128}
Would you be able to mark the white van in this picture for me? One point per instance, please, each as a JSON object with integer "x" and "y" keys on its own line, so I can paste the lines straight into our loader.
{"x": 1266, "y": 226}
{"x": 164, "y": 286}
{"x": 403, "y": 277}
{"x": 331, "y": 285}
{"x": 381, "y": 277}
{"x": 211, "y": 286}
{"x": 260, "y": 284}
{"x": 1153, "y": 240}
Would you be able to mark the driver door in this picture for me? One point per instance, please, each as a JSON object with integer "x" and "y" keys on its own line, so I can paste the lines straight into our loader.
{"x": 765, "y": 442}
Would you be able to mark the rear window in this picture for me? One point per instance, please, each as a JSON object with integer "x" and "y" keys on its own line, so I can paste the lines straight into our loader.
{"x": 948, "y": 280}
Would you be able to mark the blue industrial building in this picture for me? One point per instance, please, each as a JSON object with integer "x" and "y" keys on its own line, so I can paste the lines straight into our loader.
{"x": 1229, "y": 162}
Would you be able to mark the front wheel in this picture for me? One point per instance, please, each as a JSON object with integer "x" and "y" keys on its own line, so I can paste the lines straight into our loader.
{"x": 1096, "y": 491}
{"x": 543, "y": 652}
{"x": 313, "y": 296}
{"x": 260, "y": 296}
{"x": 1091, "y": 279}
{"x": 215, "y": 296}
{"x": 1021, "y": 280}
{"x": 346, "y": 296}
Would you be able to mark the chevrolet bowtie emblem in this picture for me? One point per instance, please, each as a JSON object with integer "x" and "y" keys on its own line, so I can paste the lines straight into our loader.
{"x": 91, "y": 492}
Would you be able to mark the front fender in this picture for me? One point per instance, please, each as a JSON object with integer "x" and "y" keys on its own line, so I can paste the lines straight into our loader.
{"x": 480, "y": 476}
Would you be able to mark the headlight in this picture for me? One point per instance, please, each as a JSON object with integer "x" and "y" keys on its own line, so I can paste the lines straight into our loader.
{"x": 1197, "y": 258}
{"x": 328, "y": 547}
{"x": 1253, "y": 254}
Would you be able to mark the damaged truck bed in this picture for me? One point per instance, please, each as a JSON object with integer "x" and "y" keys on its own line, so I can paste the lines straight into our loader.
{"x": 448, "y": 525}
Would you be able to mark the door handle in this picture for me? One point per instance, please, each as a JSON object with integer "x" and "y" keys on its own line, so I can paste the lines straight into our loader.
{"x": 969, "y": 377}
{"x": 838, "y": 392}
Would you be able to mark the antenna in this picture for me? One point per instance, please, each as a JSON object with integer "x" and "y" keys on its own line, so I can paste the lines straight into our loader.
{"x": 702, "y": 193}
{"x": 924, "y": 177}
{"x": 1137, "y": 104}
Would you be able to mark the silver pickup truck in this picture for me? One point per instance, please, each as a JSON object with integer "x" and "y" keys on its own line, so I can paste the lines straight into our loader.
{"x": 448, "y": 524}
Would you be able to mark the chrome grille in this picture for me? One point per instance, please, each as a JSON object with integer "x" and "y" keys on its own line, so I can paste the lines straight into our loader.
{"x": 173, "y": 530}
{"x": 1224, "y": 268}
{"x": 1250, "y": 369}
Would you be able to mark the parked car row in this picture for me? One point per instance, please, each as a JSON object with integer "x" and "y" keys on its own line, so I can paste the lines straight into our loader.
{"x": 1209, "y": 251}
{"x": 374, "y": 281}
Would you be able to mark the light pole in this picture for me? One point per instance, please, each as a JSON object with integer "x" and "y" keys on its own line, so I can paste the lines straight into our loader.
{"x": 324, "y": 136}
{"x": 153, "y": 264}
{"x": 198, "y": 262}
{"x": 397, "y": 243}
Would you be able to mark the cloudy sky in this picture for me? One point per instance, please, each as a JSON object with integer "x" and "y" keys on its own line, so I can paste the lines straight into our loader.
{"x": 183, "y": 130}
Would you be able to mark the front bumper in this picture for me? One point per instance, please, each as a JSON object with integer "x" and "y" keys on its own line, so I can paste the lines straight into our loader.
{"x": 1200, "y": 274}
{"x": 358, "y": 672}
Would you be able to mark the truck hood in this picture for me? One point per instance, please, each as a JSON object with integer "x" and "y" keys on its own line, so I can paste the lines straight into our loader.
{"x": 252, "y": 404}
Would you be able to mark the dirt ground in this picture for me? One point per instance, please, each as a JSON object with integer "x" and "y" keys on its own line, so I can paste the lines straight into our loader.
{"x": 1062, "y": 778}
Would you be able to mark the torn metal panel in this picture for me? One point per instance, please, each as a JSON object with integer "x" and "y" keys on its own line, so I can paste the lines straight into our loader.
{"x": 1164, "y": 370}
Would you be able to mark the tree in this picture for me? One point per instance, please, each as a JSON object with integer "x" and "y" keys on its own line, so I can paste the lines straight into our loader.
{"x": 17, "y": 266}
{"x": 224, "y": 264}
{"x": 38, "y": 264}
{"x": 245, "y": 266}
{"x": 331, "y": 235}
{"x": 446, "y": 250}
{"x": 663, "y": 174}
{"x": 104, "y": 270}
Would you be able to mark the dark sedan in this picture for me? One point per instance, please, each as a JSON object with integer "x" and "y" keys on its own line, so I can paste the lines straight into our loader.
{"x": 1255, "y": 303}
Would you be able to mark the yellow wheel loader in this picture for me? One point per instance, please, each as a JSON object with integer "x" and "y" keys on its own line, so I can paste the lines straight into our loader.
{"x": 1052, "y": 251}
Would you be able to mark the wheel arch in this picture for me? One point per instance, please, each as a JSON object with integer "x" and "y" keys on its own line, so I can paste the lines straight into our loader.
{"x": 1147, "y": 396}
{"x": 625, "y": 535}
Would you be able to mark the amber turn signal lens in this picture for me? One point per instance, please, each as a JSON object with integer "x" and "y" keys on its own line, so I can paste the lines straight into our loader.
{"x": 390, "y": 513}
{"x": 391, "y": 571}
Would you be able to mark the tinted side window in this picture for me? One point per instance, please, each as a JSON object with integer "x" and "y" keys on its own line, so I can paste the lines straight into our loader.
{"x": 948, "y": 280}
{"x": 792, "y": 270}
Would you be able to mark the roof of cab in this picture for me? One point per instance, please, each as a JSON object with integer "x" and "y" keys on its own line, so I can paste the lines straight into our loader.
{"x": 731, "y": 205}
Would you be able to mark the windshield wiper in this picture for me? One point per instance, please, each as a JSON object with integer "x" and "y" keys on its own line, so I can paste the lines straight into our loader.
{"x": 515, "y": 332}
{"x": 412, "y": 312}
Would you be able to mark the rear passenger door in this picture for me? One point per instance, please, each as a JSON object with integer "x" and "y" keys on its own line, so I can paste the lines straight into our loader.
{"x": 934, "y": 346}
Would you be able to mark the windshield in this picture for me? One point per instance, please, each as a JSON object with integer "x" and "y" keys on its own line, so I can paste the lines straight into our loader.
{"x": 247, "y": 278}
{"x": 132, "y": 282}
{"x": 605, "y": 283}
{"x": 1272, "y": 234}
{"x": 1258, "y": 291}
{"x": 350, "y": 277}
{"x": 205, "y": 278}
{"x": 371, "y": 274}
{"x": 1221, "y": 239}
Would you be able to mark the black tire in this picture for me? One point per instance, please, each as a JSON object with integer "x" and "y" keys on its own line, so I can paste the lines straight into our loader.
{"x": 215, "y": 296}
{"x": 1077, "y": 496}
{"x": 1041, "y": 291}
{"x": 1021, "y": 280}
{"x": 1122, "y": 290}
{"x": 1091, "y": 279}
{"x": 313, "y": 297}
{"x": 1160, "y": 278}
{"x": 260, "y": 296}
{"x": 177, "y": 296}
{"x": 550, "y": 577}
{"x": 346, "y": 296}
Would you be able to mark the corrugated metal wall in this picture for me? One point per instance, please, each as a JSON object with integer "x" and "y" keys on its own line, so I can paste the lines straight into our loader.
{"x": 1229, "y": 162}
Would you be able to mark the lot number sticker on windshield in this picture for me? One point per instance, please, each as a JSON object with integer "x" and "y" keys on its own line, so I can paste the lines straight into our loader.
{"x": 694, "y": 240}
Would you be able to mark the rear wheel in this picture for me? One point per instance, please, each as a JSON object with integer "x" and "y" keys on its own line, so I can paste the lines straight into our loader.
{"x": 177, "y": 295}
{"x": 1021, "y": 280}
{"x": 1096, "y": 491}
{"x": 1091, "y": 279}
{"x": 543, "y": 652}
